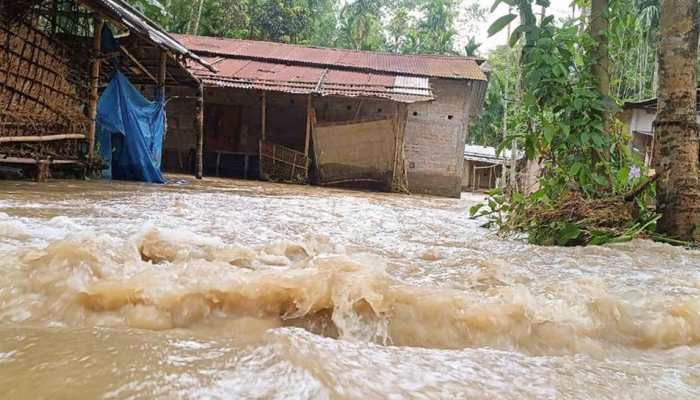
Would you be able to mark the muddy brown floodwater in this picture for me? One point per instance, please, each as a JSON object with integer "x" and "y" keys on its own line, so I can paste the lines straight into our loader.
{"x": 229, "y": 289}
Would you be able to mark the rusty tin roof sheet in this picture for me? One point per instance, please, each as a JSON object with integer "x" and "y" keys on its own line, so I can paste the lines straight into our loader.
{"x": 304, "y": 79}
{"x": 414, "y": 65}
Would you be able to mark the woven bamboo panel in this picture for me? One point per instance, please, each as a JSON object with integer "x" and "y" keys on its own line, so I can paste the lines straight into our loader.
{"x": 282, "y": 164}
{"x": 37, "y": 95}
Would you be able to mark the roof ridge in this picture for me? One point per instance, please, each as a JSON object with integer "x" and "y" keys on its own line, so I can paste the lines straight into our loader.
{"x": 342, "y": 50}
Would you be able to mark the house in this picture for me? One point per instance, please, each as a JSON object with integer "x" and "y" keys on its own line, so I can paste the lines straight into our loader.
{"x": 326, "y": 116}
{"x": 55, "y": 67}
{"x": 483, "y": 168}
{"x": 638, "y": 117}
{"x": 235, "y": 108}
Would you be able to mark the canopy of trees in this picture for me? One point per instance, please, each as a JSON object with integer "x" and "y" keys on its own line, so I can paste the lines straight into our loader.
{"x": 633, "y": 68}
{"x": 400, "y": 26}
{"x": 557, "y": 94}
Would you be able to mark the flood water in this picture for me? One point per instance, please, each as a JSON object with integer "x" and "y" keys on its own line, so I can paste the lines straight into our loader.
{"x": 231, "y": 289}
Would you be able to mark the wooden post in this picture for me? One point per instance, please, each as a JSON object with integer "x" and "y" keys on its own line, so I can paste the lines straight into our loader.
{"x": 308, "y": 130}
{"x": 263, "y": 120}
{"x": 162, "y": 75}
{"x": 399, "y": 174}
{"x": 199, "y": 129}
{"x": 43, "y": 171}
{"x": 94, "y": 86}
{"x": 246, "y": 162}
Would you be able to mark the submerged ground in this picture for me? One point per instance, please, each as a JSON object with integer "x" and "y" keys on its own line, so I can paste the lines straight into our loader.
{"x": 230, "y": 289}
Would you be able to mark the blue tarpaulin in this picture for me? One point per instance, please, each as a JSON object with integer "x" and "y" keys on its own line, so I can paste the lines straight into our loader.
{"x": 130, "y": 132}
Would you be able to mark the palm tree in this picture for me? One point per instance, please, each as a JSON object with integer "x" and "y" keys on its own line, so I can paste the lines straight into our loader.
{"x": 361, "y": 23}
{"x": 676, "y": 157}
{"x": 472, "y": 47}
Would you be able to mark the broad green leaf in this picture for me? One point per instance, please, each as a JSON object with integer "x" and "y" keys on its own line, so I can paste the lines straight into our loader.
{"x": 598, "y": 140}
{"x": 585, "y": 137}
{"x": 515, "y": 35}
{"x": 600, "y": 180}
{"x": 498, "y": 2}
{"x": 475, "y": 209}
{"x": 568, "y": 233}
{"x": 576, "y": 168}
{"x": 548, "y": 132}
{"x": 501, "y": 23}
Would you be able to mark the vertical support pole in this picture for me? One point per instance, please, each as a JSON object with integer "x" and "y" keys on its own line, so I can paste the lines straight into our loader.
{"x": 246, "y": 161}
{"x": 514, "y": 166}
{"x": 399, "y": 178}
{"x": 94, "y": 85}
{"x": 394, "y": 171}
{"x": 43, "y": 170}
{"x": 263, "y": 123}
{"x": 199, "y": 129}
{"x": 162, "y": 74}
{"x": 474, "y": 186}
{"x": 308, "y": 130}
{"x": 263, "y": 120}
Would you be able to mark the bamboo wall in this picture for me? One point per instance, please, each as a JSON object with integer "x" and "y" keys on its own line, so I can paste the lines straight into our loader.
{"x": 41, "y": 111}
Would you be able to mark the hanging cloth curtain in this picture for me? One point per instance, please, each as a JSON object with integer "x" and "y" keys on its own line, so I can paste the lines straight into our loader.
{"x": 130, "y": 132}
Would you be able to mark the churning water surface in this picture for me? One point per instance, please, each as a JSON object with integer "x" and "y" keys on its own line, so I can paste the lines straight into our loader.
{"x": 231, "y": 289}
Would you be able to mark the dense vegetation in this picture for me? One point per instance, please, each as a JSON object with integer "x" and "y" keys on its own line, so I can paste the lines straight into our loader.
{"x": 632, "y": 41}
{"x": 561, "y": 109}
{"x": 402, "y": 26}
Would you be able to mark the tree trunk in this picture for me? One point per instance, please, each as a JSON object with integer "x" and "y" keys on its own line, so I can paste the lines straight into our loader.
{"x": 676, "y": 157}
{"x": 190, "y": 20}
{"x": 199, "y": 16}
{"x": 599, "y": 28}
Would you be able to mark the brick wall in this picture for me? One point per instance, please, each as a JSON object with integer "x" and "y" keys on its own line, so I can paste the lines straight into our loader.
{"x": 335, "y": 109}
{"x": 435, "y": 135}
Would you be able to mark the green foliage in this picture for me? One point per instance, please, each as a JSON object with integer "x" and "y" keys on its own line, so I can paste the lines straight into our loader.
{"x": 472, "y": 47}
{"x": 501, "y": 23}
{"x": 436, "y": 33}
{"x": 633, "y": 38}
{"x": 487, "y": 130}
{"x": 402, "y": 26}
{"x": 282, "y": 20}
{"x": 559, "y": 119}
{"x": 572, "y": 220}
{"x": 360, "y": 25}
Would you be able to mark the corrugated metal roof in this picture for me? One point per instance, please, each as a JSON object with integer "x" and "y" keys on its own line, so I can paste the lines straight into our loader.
{"x": 134, "y": 20}
{"x": 415, "y": 65}
{"x": 303, "y": 79}
{"x": 652, "y": 102}
{"x": 487, "y": 154}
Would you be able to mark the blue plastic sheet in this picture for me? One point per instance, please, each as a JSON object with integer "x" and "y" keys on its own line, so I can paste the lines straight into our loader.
{"x": 130, "y": 132}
